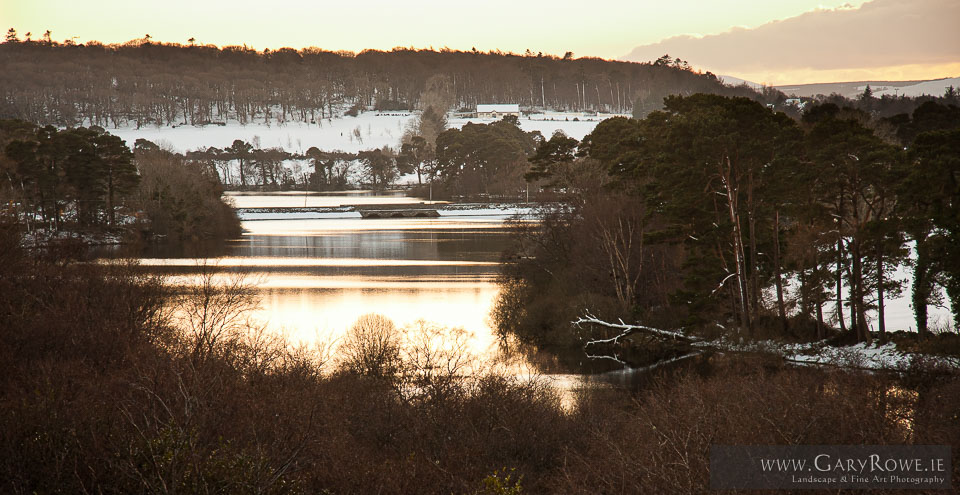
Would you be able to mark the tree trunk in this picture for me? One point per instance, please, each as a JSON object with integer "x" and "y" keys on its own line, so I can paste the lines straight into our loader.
{"x": 818, "y": 298}
{"x": 881, "y": 324}
{"x": 781, "y": 307}
{"x": 921, "y": 286}
{"x": 110, "y": 196}
{"x": 804, "y": 292}
{"x": 243, "y": 178}
{"x": 857, "y": 289}
{"x": 737, "y": 244}
{"x": 843, "y": 325}
{"x": 754, "y": 263}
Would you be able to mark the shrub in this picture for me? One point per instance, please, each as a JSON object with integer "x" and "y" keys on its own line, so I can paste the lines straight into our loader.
{"x": 371, "y": 347}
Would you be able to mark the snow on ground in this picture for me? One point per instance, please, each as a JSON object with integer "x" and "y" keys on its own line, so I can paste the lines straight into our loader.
{"x": 573, "y": 124}
{"x": 300, "y": 215}
{"x": 873, "y": 356}
{"x": 736, "y": 81}
{"x": 504, "y": 211}
{"x": 898, "y": 310}
{"x": 863, "y": 356}
{"x": 43, "y": 237}
{"x": 486, "y": 212}
{"x": 932, "y": 88}
{"x": 350, "y": 134}
{"x": 866, "y": 356}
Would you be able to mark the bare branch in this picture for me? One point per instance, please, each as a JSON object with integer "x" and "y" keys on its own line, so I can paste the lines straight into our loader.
{"x": 626, "y": 330}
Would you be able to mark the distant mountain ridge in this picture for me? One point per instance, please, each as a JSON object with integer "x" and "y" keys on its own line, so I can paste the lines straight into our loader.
{"x": 853, "y": 89}
{"x": 932, "y": 87}
{"x": 736, "y": 81}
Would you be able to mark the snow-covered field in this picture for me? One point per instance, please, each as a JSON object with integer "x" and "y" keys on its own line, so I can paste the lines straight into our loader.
{"x": 879, "y": 88}
{"x": 350, "y": 134}
{"x": 736, "y": 81}
{"x": 932, "y": 88}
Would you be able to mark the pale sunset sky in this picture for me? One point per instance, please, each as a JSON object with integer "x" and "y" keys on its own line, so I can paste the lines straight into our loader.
{"x": 766, "y": 41}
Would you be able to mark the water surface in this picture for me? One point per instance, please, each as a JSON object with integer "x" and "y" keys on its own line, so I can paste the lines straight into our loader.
{"x": 316, "y": 276}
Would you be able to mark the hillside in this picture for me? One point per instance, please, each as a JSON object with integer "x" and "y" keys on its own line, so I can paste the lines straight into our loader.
{"x": 935, "y": 87}
{"x": 368, "y": 130}
{"x": 143, "y": 83}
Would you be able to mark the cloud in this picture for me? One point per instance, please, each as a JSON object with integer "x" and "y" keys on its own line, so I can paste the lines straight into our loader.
{"x": 881, "y": 33}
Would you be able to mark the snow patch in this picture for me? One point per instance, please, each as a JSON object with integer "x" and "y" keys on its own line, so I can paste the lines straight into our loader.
{"x": 349, "y": 134}
{"x": 933, "y": 88}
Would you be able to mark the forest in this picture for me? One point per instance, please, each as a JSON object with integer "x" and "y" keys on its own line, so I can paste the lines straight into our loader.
{"x": 701, "y": 215}
{"x": 87, "y": 181}
{"x": 143, "y": 82}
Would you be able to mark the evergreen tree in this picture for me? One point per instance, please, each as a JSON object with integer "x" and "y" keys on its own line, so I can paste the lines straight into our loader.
{"x": 859, "y": 193}
{"x": 241, "y": 151}
{"x": 935, "y": 187}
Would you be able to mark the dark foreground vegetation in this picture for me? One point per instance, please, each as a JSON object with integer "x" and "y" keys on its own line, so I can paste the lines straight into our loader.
{"x": 719, "y": 216}
{"x": 104, "y": 392}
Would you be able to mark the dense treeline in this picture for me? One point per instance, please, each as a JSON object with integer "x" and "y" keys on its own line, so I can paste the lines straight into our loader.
{"x": 49, "y": 170}
{"x": 244, "y": 166}
{"x": 180, "y": 197}
{"x": 888, "y": 106}
{"x": 717, "y": 210}
{"x": 104, "y": 391}
{"x": 478, "y": 159}
{"x": 87, "y": 180}
{"x": 147, "y": 83}
{"x": 484, "y": 158}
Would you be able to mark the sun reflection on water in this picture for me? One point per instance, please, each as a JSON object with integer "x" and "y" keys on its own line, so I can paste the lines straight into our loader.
{"x": 315, "y": 277}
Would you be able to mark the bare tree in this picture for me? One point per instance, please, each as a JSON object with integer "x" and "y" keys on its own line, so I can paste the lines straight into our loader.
{"x": 214, "y": 311}
{"x": 371, "y": 347}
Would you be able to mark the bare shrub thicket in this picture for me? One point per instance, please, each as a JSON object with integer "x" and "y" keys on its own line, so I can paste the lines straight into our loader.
{"x": 436, "y": 360}
{"x": 423, "y": 361}
{"x": 101, "y": 394}
{"x": 659, "y": 442}
{"x": 597, "y": 257}
{"x": 214, "y": 312}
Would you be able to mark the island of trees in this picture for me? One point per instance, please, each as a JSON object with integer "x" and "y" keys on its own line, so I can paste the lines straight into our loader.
{"x": 87, "y": 181}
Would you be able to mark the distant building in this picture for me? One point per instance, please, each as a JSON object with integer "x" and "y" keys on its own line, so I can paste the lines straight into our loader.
{"x": 498, "y": 111}
{"x": 797, "y": 102}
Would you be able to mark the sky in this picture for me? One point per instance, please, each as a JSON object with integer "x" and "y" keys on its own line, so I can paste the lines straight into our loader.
{"x": 599, "y": 28}
{"x": 880, "y": 40}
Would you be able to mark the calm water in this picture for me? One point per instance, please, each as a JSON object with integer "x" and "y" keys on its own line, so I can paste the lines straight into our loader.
{"x": 316, "y": 276}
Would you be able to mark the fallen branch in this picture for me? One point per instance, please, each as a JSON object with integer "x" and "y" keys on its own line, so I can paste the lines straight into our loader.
{"x": 858, "y": 357}
{"x": 626, "y": 330}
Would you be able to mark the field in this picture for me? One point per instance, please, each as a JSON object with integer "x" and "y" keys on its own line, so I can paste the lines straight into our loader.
{"x": 350, "y": 134}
